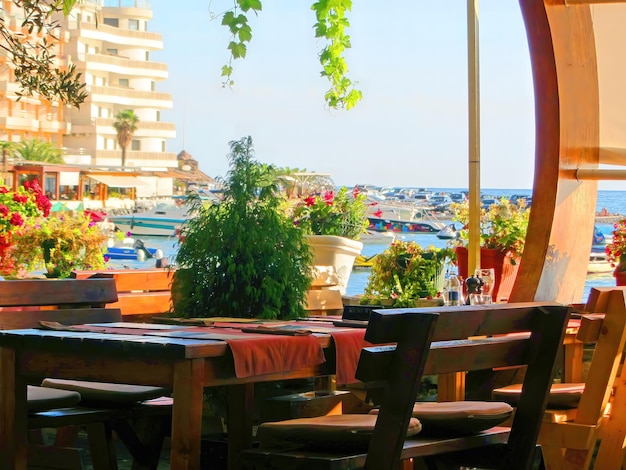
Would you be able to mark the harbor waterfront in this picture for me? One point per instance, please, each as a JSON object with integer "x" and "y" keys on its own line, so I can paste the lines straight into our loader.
{"x": 613, "y": 201}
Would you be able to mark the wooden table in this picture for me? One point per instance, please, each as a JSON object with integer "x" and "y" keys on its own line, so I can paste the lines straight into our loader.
{"x": 184, "y": 365}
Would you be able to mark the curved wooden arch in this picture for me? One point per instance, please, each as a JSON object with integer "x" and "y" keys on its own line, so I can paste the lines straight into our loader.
{"x": 564, "y": 67}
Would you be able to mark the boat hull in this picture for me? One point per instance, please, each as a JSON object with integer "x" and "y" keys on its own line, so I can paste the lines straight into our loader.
{"x": 150, "y": 226}
{"x": 129, "y": 253}
{"x": 405, "y": 226}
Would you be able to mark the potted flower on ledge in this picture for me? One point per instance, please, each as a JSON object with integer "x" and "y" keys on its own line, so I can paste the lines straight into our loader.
{"x": 503, "y": 228}
{"x": 616, "y": 252}
{"x": 407, "y": 275}
{"x": 333, "y": 223}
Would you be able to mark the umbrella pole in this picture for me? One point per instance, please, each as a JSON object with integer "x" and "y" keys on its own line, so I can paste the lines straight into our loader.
{"x": 473, "y": 248}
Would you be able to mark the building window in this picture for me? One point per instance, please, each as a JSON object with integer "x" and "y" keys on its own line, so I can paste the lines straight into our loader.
{"x": 147, "y": 56}
{"x": 158, "y": 116}
{"x": 123, "y": 82}
{"x": 135, "y": 145}
{"x": 152, "y": 86}
{"x": 115, "y": 22}
{"x": 162, "y": 146}
{"x": 133, "y": 25}
{"x": 111, "y": 51}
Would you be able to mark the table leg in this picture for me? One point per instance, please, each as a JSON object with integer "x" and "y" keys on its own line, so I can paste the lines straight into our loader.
{"x": 240, "y": 413}
{"x": 187, "y": 414}
{"x": 13, "y": 414}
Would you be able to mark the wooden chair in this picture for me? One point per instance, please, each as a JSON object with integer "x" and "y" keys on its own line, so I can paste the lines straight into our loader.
{"x": 539, "y": 330}
{"x": 574, "y": 416}
{"x": 142, "y": 293}
{"x": 25, "y": 303}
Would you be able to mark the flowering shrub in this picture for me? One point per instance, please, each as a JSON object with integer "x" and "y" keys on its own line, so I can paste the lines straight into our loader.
{"x": 406, "y": 272}
{"x": 16, "y": 209}
{"x": 58, "y": 245}
{"x": 616, "y": 250}
{"x": 342, "y": 213}
{"x": 503, "y": 226}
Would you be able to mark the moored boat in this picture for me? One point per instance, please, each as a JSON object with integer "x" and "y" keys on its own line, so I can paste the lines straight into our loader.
{"x": 163, "y": 220}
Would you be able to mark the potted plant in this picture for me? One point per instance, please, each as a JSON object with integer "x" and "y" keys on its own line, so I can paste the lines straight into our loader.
{"x": 405, "y": 274}
{"x": 333, "y": 222}
{"x": 616, "y": 252}
{"x": 242, "y": 257}
{"x": 58, "y": 244}
{"x": 503, "y": 228}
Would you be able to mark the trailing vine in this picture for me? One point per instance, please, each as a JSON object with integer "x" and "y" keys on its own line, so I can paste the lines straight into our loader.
{"x": 331, "y": 25}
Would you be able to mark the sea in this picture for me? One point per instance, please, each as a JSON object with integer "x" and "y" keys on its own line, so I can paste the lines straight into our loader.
{"x": 613, "y": 201}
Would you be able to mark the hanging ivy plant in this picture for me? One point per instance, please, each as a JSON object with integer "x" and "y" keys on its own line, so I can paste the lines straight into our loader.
{"x": 331, "y": 25}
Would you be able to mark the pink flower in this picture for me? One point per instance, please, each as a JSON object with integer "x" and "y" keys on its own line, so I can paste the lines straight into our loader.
{"x": 309, "y": 201}
{"x": 329, "y": 197}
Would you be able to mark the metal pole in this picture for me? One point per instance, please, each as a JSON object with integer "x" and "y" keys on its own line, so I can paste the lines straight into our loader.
{"x": 473, "y": 248}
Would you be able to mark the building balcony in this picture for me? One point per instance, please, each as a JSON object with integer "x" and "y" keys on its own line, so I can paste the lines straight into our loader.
{"x": 19, "y": 123}
{"x": 130, "y": 97}
{"x": 55, "y": 126}
{"x": 104, "y": 126}
{"x": 121, "y": 65}
{"x": 113, "y": 35}
{"x": 134, "y": 158}
{"x": 128, "y": 8}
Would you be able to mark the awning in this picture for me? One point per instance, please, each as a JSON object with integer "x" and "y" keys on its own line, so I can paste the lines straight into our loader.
{"x": 119, "y": 181}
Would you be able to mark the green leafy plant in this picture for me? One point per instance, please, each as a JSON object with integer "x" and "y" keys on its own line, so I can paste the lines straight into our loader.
{"x": 342, "y": 213}
{"x": 242, "y": 257}
{"x": 58, "y": 244}
{"x": 331, "y": 25}
{"x": 616, "y": 250}
{"x": 404, "y": 273}
{"x": 503, "y": 226}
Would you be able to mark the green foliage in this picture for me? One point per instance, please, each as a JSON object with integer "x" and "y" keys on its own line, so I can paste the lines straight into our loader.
{"x": 242, "y": 257}
{"x": 405, "y": 272}
{"x": 34, "y": 59}
{"x": 331, "y": 25}
{"x": 343, "y": 213}
{"x": 503, "y": 226}
{"x": 39, "y": 151}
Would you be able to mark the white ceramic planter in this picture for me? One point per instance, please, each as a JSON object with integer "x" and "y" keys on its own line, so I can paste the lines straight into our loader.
{"x": 338, "y": 252}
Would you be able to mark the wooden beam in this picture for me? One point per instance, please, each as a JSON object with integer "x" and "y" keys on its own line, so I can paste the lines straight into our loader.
{"x": 598, "y": 174}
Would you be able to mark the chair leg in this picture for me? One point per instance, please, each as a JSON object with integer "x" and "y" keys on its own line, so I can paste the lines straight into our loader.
{"x": 101, "y": 446}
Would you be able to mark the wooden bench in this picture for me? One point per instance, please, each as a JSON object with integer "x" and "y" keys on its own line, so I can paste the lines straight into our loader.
{"x": 142, "y": 293}
{"x": 26, "y": 303}
{"x": 432, "y": 341}
{"x": 570, "y": 430}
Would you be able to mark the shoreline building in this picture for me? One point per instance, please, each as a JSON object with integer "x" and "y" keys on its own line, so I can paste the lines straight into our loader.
{"x": 109, "y": 43}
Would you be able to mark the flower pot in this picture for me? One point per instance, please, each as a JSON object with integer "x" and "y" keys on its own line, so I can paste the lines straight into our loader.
{"x": 620, "y": 277}
{"x": 505, "y": 272}
{"x": 338, "y": 252}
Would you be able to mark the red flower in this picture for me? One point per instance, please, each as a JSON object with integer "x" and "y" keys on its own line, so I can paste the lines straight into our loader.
{"x": 309, "y": 201}
{"x": 21, "y": 198}
{"x": 355, "y": 192}
{"x": 4, "y": 190}
{"x": 16, "y": 219}
{"x": 378, "y": 213}
{"x": 329, "y": 197}
{"x": 4, "y": 210}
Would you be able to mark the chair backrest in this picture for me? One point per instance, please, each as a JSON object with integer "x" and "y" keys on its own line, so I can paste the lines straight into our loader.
{"x": 24, "y": 303}
{"x": 463, "y": 339}
{"x": 568, "y": 437}
{"x": 142, "y": 293}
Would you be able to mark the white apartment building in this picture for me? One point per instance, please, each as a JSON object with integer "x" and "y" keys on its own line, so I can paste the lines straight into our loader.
{"x": 109, "y": 42}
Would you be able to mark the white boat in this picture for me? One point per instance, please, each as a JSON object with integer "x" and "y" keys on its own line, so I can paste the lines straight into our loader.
{"x": 378, "y": 238}
{"x": 163, "y": 220}
{"x": 598, "y": 263}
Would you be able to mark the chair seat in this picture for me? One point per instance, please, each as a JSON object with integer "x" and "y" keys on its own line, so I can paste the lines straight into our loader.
{"x": 104, "y": 393}
{"x": 349, "y": 431}
{"x": 460, "y": 417}
{"x": 44, "y": 399}
{"x": 563, "y": 395}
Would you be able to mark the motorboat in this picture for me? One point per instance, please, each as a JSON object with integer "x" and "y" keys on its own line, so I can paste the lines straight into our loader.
{"x": 163, "y": 220}
{"x": 377, "y": 238}
{"x": 599, "y": 263}
{"x": 131, "y": 249}
{"x": 449, "y": 232}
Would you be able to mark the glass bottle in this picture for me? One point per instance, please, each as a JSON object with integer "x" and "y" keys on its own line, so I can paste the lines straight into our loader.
{"x": 453, "y": 291}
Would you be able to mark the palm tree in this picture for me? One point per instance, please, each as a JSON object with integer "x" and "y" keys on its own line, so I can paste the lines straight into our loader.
{"x": 125, "y": 125}
{"x": 39, "y": 151}
{"x": 8, "y": 148}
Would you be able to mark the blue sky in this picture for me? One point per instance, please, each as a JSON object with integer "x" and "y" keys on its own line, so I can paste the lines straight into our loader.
{"x": 410, "y": 60}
